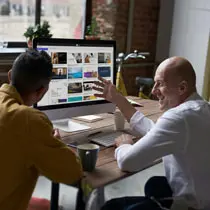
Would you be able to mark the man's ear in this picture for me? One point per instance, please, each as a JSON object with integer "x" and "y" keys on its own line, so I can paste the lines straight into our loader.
{"x": 41, "y": 91}
{"x": 10, "y": 75}
{"x": 36, "y": 96}
{"x": 183, "y": 86}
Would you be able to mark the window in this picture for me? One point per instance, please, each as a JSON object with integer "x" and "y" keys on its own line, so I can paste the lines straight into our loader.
{"x": 66, "y": 17}
{"x": 15, "y": 17}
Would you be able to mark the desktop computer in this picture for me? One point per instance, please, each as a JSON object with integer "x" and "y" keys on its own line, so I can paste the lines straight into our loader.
{"x": 76, "y": 65}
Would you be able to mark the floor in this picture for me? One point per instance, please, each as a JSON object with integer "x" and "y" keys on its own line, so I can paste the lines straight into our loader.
{"x": 133, "y": 185}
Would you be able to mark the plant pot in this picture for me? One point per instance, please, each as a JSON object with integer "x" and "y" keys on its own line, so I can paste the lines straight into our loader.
{"x": 92, "y": 37}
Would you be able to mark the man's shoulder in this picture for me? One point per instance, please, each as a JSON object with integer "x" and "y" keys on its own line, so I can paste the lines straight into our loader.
{"x": 33, "y": 114}
{"x": 189, "y": 107}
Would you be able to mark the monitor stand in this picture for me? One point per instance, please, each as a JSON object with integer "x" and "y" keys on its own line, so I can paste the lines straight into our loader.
{"x": 68, "y": 125}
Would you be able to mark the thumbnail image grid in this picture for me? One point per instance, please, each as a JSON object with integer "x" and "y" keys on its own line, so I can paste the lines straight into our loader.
{"x": 80, "y": 74}
{"x": 75, "y": 87}
{"x": 75, "y": 72}
{"x": 89, "y": 97}
{"x": 75, "y": 58}
{"x": 90, "y": 58}
{"x": 88, "y": 86}
{"x": 90, "y": 72}
{"x": 104, "y": 71}
{"x": 59, "y": 57}
{"x": 104, "y": 58}
{"x": 75, "y": 99}
{"x": 59, "y": 73}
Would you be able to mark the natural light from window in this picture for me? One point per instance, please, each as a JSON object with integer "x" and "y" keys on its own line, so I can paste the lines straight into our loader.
{"x": 15, "y": 17}
{"x": 66, "y": 18}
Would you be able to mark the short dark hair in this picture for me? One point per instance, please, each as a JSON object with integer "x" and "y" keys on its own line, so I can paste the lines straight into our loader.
{"x": 31, "y": 71}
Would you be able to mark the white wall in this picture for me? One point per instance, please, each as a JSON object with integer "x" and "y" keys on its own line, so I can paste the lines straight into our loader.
{"x": 164, "y": 29}
{"x": 190, "y": 34}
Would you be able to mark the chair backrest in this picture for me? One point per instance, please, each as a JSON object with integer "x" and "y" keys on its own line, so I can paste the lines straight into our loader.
{"x": 144, "y": 81}
{"x": 145, "y": 85}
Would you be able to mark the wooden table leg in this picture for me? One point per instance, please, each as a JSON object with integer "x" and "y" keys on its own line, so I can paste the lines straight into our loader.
{"x": 80, "y": 204}
{"x": 54, "y": 201}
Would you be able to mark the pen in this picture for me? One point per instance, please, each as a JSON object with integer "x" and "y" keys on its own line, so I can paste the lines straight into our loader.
{"x": 71, "y": 145}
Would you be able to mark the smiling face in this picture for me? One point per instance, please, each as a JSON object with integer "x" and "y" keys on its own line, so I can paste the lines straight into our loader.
{"x": 175, "y": 81}
{"x": 166, "y": 89}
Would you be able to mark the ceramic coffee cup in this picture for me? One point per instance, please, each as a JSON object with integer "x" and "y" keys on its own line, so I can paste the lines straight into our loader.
{"x": 88, "y": 154}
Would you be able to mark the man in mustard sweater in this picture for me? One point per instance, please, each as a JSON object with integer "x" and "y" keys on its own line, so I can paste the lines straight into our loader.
{"x": 29, "y": 145}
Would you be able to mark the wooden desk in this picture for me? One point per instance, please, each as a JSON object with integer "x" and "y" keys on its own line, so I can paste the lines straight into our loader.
{"x": 107, "y": 170}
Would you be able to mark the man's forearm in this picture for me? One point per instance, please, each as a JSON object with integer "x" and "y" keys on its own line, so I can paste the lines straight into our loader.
{"x": 125, "y": 107}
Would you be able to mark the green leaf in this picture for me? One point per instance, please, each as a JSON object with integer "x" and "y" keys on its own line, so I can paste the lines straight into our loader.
{"x": 38, "y": 31}
{"x": 92, "y": 29}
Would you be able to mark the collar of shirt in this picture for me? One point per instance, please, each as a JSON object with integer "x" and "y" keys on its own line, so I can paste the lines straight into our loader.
{"x": 11, "y": 90}
{"x": 194, "y": 96}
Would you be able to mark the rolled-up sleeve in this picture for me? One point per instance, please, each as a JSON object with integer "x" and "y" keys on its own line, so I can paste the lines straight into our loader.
{"x": 165, "y": 138}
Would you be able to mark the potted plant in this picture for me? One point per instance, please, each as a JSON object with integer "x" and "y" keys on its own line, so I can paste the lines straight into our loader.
{"x": 92, "y": 30}
{"x": 37, "y": 31}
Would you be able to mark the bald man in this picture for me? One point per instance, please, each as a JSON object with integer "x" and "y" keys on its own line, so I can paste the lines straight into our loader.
{"x": 181, "y": 137}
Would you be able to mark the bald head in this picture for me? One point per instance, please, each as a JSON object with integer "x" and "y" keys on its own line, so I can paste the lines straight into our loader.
{"x": 177, "y": 69}
{"x": 174, "y": 82}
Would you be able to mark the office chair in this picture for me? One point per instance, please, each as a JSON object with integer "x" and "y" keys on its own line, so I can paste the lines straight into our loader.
{"x": 145, "y": 85}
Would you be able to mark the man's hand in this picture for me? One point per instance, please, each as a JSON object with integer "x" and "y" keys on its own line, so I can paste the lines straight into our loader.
{"x": 107, "y": 89}
{"x": 56, "y": 133}
{"x": 123, "y": 139}
{"x": 110, "y": 93}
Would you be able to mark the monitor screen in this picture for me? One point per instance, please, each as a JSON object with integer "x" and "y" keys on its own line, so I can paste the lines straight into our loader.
{"x": 76, "y": 65}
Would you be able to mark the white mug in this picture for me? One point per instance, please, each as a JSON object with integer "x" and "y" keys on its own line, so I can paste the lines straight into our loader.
{"x": 119, "y": 121}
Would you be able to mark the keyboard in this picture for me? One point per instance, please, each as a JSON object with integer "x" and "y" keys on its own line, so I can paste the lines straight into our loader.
{"x": 106, "y": 139}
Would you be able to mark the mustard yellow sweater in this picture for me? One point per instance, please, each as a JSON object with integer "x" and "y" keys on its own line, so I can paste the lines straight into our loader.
{"x": 27, "y": 149}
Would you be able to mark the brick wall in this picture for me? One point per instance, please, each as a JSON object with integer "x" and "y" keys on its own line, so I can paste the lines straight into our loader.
{"x": 145, "y": 24}
{"x": 144, "y": 33}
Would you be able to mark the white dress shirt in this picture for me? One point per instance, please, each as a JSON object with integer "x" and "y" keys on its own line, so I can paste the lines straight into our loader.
{"x": 182, "y": 137}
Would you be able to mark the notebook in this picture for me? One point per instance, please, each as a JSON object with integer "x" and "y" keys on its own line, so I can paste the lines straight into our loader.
{"x": 88, "y": 118}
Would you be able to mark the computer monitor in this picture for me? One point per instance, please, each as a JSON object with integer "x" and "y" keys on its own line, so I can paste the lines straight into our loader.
{"x": 76, "y": 65}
